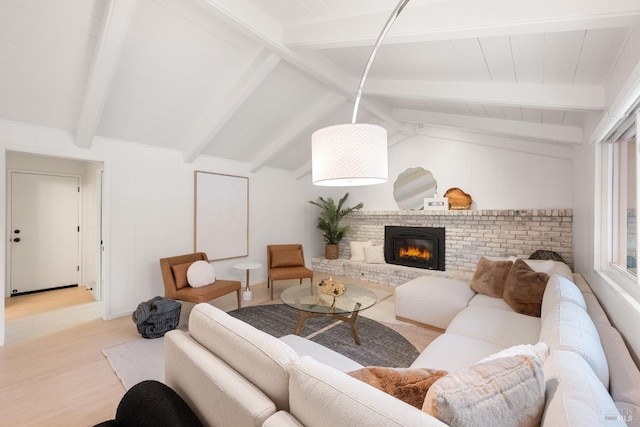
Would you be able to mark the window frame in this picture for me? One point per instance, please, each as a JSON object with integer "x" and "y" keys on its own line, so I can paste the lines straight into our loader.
{"x": 604, "y": 215}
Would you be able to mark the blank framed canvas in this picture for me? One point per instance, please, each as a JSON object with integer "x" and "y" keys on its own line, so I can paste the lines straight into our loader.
{"x": 221, "y": 215}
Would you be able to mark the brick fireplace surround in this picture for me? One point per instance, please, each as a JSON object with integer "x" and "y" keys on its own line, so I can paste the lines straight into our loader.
{"x": 469, "y": 236}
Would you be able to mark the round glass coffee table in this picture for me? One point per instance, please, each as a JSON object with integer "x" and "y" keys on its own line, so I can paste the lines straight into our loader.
{"x": 310, "y": 303}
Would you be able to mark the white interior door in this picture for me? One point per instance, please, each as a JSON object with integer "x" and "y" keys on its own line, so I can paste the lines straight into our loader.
{"x": 44, "y": 233}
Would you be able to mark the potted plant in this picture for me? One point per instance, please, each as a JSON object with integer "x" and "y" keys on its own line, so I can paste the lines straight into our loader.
{"x": 329, "y": 222}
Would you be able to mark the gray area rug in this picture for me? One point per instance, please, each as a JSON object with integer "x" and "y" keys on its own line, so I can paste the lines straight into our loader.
{"x": 379, "y": 344}
{"x": 143, "y": 359}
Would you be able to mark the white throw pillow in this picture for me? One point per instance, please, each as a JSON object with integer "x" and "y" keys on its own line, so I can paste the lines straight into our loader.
{"x": 200, "y": 273}
{"x": 357, "y": 250}
{"x": 374, "y": 254}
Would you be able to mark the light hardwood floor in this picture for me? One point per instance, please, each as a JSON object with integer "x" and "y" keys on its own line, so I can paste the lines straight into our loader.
{"x": 53, "y": 371}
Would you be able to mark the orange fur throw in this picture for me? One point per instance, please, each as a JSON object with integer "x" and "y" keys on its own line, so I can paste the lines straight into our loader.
{"x": 407, "y": 384}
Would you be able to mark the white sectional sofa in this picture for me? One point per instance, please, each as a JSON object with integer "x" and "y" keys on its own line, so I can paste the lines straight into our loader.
{"x": 232, "y": 374}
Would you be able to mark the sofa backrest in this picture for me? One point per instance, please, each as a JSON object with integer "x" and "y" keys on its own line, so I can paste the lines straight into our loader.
{"x": 214, "y": 391}
{"x": 321, "y": 396}
{"x": 259, "y": 357}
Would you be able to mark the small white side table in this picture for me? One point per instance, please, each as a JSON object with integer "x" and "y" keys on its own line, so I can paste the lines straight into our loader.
{"x": 246, "y": 295}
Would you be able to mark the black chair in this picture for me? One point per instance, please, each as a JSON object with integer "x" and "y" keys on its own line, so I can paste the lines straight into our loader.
{"x": 152, "y": 404}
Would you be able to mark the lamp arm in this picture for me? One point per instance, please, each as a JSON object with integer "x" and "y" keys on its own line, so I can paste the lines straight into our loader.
{"x": 385, "y": 30}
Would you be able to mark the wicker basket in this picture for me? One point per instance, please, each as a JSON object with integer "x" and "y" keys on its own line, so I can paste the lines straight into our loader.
{"x": 331, "y": 251}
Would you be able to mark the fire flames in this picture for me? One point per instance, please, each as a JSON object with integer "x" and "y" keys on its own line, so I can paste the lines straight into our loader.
{"x": 415, "y": 253}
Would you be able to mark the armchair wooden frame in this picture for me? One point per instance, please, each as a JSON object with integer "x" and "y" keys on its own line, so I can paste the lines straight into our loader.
{"x": 188, "y": 293}
{"x": 289, "y": 272}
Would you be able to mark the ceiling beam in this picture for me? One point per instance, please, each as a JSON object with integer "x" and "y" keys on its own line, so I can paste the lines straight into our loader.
{"x": 533, "y": 131}
{"x": 254, "y": 23}
{"x": 442, "y": 20}
{"x": 558, "y": 97}
{"x": 220, "y": 110}
{"x": 298, "y": 127}
{"x": 115, "y": 23}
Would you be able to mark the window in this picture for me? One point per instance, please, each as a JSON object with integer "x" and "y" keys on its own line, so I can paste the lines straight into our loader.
{"x": 616, "y": 245}
{"x": 624, "y": 238}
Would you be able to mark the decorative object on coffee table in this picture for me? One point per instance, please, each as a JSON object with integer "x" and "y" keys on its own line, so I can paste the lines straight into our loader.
{"x": 329, "y": 222}
{"x": 458, "y": 199}
{"x": 332, "y": 288}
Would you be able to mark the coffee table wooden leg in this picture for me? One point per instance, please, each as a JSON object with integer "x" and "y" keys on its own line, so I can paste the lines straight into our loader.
{"x": 303, "y": 317}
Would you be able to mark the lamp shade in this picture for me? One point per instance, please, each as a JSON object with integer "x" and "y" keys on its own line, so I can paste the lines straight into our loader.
{"x": 349, "y": 155}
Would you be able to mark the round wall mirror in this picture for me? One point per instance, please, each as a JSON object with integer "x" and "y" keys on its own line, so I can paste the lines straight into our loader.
{"x": 412, "y": 186}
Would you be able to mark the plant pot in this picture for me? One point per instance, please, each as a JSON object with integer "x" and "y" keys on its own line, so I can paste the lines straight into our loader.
{"x": 331, "y": 251}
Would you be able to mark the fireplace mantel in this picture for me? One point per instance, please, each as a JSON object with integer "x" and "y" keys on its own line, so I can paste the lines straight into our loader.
{"x": 469, "y": 236}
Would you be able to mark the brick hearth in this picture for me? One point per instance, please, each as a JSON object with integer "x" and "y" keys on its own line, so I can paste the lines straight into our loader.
{"x": 469, "y": 236}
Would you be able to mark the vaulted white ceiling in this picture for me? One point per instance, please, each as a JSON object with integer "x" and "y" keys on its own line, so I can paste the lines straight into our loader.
{"x": 250, "y": 80}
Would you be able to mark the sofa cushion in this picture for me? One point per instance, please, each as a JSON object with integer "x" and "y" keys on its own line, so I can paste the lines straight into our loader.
{"x": 432, "y": 300}
{"x": 259, "y": 357}
{"x": 559, "y": 288}
{"x": 500, "y": 327}
{"x": 624, "y": 378}
{"x": 407, "y": 384}
{"x": 490, "y": 302}
{"x": 305, "y": 347}
{"x": 451, "y": 352}
{"x": 568, "y": 327}
{"x": 357, "y": 250}
{"x": 287, "y": 258}
{"x": 575, "y": 397}
{"x": 321, "y": 396}
{"x": 539, "y": 350}
{"x": 524, "y": 288}
{"x": 490, "y": 277}
{"x": 180, "y": 274}
{"x": 506, "y": 392}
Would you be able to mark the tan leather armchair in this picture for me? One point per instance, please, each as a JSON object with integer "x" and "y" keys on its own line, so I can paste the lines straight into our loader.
{"x": 286, "y": 262}
{"x": 174, "y": 275}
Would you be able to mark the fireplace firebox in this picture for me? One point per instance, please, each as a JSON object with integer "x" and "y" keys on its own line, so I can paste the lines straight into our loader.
{"x": 421, "y": 247}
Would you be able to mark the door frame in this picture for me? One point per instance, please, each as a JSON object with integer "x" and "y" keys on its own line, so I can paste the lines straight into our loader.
{"x": 10, "y": 172}
{"x": 105, "y": 212}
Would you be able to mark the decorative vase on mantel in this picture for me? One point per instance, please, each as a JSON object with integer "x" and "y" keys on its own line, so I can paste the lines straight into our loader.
{"x": 331, "y": 251}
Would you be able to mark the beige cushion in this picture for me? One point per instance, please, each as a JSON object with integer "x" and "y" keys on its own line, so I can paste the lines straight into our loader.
{"x": 505, "y": 392}
{"x": 259, "y": 357}
{"x": 321, "y": 396}
{"x": 559, "y": 288}
{"x": 568, "y": 327}
{"x": 575, "y": 397}
{"x": 490, "y": 277}
{"x": 407, "y": 384}
{"x": 451, "y": 352}
{"x": 180, "y": 274}
{"x": 357, "y": 250}
{"x": 524, "y": 289}
{"x": 432, "y": 300}
{"x": 374, "y": 254}
{"x": 501, "y": 327}
{"x": 287, "y": 258}
{"x": 200, "y": 274}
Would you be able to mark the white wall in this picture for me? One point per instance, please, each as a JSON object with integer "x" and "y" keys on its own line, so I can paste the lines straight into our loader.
{"x": 149, "y": 209}
{"x": 496, "y": 172}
